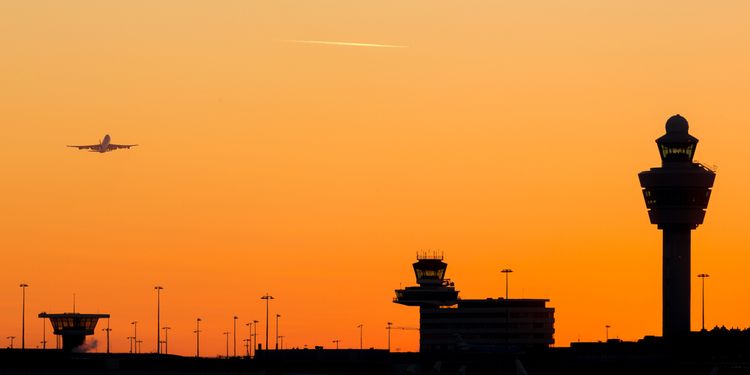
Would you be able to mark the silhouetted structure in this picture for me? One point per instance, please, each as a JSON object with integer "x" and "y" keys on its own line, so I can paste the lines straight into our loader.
{"x": 449, "y": 323}
{"x": 676, "y": 196}
{"x": 73, "y": 327}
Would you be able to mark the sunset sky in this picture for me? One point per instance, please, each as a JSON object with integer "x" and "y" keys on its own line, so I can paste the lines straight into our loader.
{"x": 506, "y": 134}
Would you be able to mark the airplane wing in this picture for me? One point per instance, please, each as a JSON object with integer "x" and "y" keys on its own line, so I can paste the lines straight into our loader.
{"x": 90, "y": 147}
{"x": 116, "y": 147}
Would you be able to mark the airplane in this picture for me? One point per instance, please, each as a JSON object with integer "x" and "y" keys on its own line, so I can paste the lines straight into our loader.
{"x": 103, "y": 146}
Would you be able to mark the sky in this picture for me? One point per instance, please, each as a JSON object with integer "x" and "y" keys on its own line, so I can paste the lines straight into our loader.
{"x": 506, "y": 134}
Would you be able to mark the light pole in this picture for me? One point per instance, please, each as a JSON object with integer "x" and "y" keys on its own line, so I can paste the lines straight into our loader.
{"x": 277, "y": 331}
{"x": 135, "y": 334}
{"x": 606, "y": 333}
{"x": 249, "y": 338}
{"x": 255, "y": 336}
{"x": 130, "y": 341}
{"x": 166, "y": 339}
{"x": 234, "y": 336}
{"x": 138, "y": 346}
{"x": 267, "y": 298}
{"x": 158, "y": 318}
{"x": 197, "y": 337}
{"x": 247, "y": 346}
{"x": 11, "y": 340}
{"x": 44, "y": 334}
{"x": 389, "y": 327}
{"x": 507, "y": 272}
{"x": 337, "y": 343}
{"x": 282, "y": 342}
{"x": 23, "y": 315}
{"x": 361, "y": 341}
{"x": 703, "y": 277}
{"x": 108, "y": 330}
{"x": 226, "y": 333}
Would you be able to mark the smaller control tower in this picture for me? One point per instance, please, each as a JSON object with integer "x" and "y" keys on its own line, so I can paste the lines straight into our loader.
{"x": 73, "y": 327}
{"x": 434, "y": 289}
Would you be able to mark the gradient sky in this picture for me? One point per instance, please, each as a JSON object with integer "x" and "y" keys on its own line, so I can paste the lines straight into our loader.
{"x": 505, "y": 134}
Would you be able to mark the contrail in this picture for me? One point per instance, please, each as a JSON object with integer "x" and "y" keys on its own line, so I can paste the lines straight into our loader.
{"x": 349, "y": 44}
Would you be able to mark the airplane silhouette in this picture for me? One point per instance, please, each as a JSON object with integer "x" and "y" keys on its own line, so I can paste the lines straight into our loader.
{"x": 103, "y": 146}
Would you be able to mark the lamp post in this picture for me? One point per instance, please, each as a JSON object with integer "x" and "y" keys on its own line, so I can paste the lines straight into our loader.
{"x": 107, "y": 330}
{"x": 606, "y": 333}
{"x": 249, "y": 338}
{"x": 135, "y": 333}
{"x": 234, "y": 336}
{"x": 361, "y": 341}
{"x": 226, "y": 333}
{"x": 277, "y": 331}
{"x": 130, "y": 341}
{"x": 703, "y": 277}
{"x": 388, "y": 327}
{"x": 197, "y": 337}
{"x": 337, "y": 343}
{"x": 282, "y": 342}
{"x": 507, "y": 272}
{"x": 138, "y": 346}
{"x": 247, "y": 347}
{"x": 11, "y": 340}
{"x": 158, "y": 318}
{"x": 267, "y": 298}
{"x": 255, "y": 336}
{"x": 23, "y": 315}
{"x": 166, "y": 339}
{"x": 44, "y": 334}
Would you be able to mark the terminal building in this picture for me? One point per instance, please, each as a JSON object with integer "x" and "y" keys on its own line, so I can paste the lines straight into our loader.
{"x": 493, "y": 324}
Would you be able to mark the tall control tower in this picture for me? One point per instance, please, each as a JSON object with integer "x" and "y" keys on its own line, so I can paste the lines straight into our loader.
{"x": 676, "y": 196}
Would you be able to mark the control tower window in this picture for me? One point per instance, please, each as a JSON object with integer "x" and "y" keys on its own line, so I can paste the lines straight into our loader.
{"x": 430, "y": 274}
{"x": 677, "y": 152}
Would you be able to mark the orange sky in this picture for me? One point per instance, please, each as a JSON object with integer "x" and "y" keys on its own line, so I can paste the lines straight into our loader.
{"x": 506, "y": 134}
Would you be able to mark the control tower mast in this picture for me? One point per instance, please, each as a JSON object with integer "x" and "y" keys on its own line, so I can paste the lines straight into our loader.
{"x": 676, "y": 195}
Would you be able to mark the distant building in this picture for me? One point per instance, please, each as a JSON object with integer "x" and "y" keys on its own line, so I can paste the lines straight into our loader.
{"x": 449, "y": 323}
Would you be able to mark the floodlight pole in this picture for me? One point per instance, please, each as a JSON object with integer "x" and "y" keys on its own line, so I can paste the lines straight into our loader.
{"x": 388, "y": 327}
{"x": 361, "y": 341}
{"x": 277, "y": 331}
{"x": 23, "y": 315}
{"x": 158, "y": 318}
{"x": 703, "y": 277}
{"x": 267, "y": 297}
{"x": 108, "y": 330}
{"x": 135, "y": 334}
{"x": 255, "y": 337}
{"x": 507, "y": 272}
{"x": 606, "y": 337}
{"x": 226, "y": 333}
{"x": 197, "y": 337}
{"x": 166, "y": 339}
{"x": 234, "y": 336}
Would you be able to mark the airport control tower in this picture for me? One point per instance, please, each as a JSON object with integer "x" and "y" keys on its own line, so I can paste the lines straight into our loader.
{"x": 434, "y": 290}
{"x": 676, "y": 195}
{"x": 73, "y": 327}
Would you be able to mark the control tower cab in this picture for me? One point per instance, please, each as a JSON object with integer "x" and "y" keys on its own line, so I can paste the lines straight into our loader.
{"x": 434, "y": 289}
